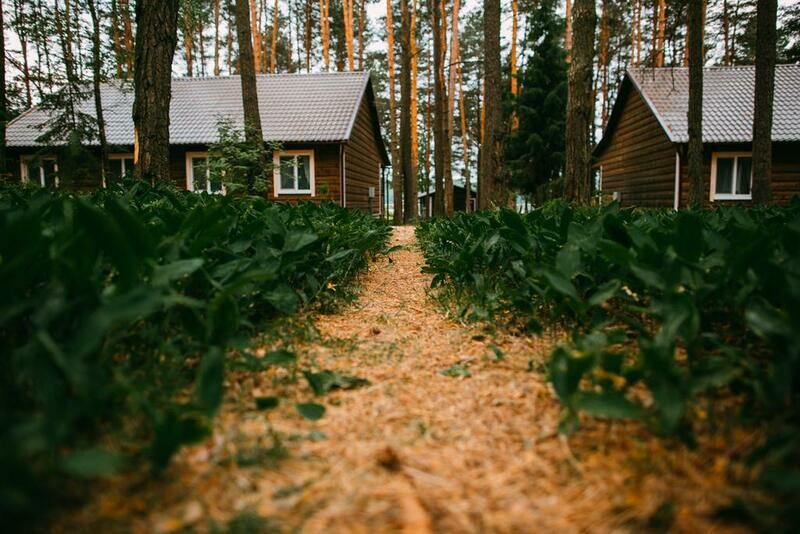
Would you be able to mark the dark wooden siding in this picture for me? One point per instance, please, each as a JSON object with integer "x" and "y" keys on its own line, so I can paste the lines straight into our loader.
{"x": 785, "y": 173}
{"x": 363, "y": 163}
{"x": 639, "y": 160}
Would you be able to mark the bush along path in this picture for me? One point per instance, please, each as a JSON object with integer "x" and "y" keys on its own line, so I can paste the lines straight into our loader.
{"x": 388, "y": 415}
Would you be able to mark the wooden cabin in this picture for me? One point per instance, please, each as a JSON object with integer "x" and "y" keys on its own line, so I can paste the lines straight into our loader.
{"x": 427, "y": 200}
{"x": 327, "y": 127}
{"x": 642, "y": 157}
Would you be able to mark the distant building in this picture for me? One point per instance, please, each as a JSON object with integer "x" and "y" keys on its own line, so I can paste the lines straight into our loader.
{"x": 642, "y": 157}
{"x": 427, "y": 200}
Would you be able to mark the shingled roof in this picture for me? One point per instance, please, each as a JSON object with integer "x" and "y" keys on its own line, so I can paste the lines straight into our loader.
{"x": 319, "y": 107}
{"x": 727, "y": 102}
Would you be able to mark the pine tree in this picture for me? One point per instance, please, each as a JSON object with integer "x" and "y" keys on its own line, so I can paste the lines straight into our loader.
{"x": 695, "y": 113}
{"x": 535, "y": 151}
{"x": 764, "y": 93}
{"x": 156, "y": 39}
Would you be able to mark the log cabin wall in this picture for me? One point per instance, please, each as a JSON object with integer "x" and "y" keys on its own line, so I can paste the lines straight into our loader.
{"x": 363, "y": 163}
{"x": 639, "y": 160}
{"x": 327, "y": 175}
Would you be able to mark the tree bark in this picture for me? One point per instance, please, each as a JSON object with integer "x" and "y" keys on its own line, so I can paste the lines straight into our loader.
{"x": 695, "y": 113}
{"x": 216, "y": 37}
{"x": 463, "y": 115}
{"x": 325, "y": 25}
{"x": 604, "y": 60}
{"x": 247, "y": 70}
{"x": 273, "y": 58}
{"x": 347, "y": 8}
{"x": 512, "y": 60}
{"x": 662, "y": 25}
{"x": 156, "y": 39}
{"x": 97, "y": 69}
{"x": 307, "y": 37}
{"x": 116, "y": 38}
{"x": 129, "y": 44}
{"x": 397, "y": 184}
{"x": 440, "y": 114}
{"x": 26, "y": 73}
{"x": 428, "y": 125}
{"x": 577, "y": 175}
{"x": 449, "y": 95}
{"x": 491, "y": 187}
{"x": 362, "y": 15}
{"x": 188, "y": 42}
{"x": 568, "y": 31}
{"x": 409, "y": 180}
{"x": 3, "y": 101}
{"x": 766, "y": 36}
{"x": 414, "y": 95}
{"x": 254, "y": 32}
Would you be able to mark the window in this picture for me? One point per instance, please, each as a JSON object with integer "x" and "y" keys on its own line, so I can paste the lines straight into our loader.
{"x": 198, "y": 174}
{"x": 731, "y": 176}
{"x": 294, "y": 172}
{"x": 119, "y": 166}
{"x": 42, "y": 170}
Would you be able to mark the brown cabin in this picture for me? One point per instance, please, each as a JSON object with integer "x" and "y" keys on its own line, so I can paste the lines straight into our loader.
{"x": 642, "y": 157}
{"x": 327, "y": 127}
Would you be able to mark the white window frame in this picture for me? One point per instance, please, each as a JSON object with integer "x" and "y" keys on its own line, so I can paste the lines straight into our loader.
{"x": 190, "y": 174}
{"x": 119, "y": 157}
{"x": 729, "y": 196}
{"x": 276, "y": 175}
{"x": 23, "y": 168}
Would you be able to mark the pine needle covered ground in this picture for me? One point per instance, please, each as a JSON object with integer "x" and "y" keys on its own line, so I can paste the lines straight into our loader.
{"x": 455, "y": 432}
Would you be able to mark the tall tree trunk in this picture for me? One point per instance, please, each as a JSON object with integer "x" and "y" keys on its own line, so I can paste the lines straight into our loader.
{"x": 129, "y": 44}
{"x": 116, "y": 38}
{"x": 604, "y": 61}
{"x": 512, "y": 61}
{"x": 726, "y": 33}
{"x": 440, "y": 118}
{"x": 767, "y": 12}
{"x": 26, "y": 73}
{"x": 254, "y": 32}
{"x": 273, "y": 58}
{"x": 188, "y": 42}
{"x": 414, "y": 96}
{"x": 229, "y": 56}
{"x": 409, "y": 179}
{"x": 463, "y": 116}
{"x": 156, "y": 39}
{"x": 97, "y": 69}
{"x": 397, "y": 184}
{"x": 247, "y": 69}
{"x": 428, "y": 125}
{"x": 307, "y": 38}
{"x": 578, "y": 170}
{"x": 662, "y": 25}
{"x": 3, "y": 102}
{"x": 491, "y": 184}
{"x": 216, "y": 37}
{"x": 636, "y": 33}
{"x": 362, "y": 15}
{"x": 568, "y": 31}
{"x": 449, "y": 98}
{"x": 347, "y": 7}
{"x": 325, "y": 30}
{"x": 695, "y": 113}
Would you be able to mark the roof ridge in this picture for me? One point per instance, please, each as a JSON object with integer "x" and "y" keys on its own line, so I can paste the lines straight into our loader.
{"x": 353, "y": 74}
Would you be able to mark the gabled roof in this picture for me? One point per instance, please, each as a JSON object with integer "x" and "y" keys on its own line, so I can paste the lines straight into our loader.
{"x": 727, "y": 102}
{"x": 320, "y": 107}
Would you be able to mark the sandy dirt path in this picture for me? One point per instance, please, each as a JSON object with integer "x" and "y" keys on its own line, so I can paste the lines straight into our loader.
{"x": 418, "y": 450}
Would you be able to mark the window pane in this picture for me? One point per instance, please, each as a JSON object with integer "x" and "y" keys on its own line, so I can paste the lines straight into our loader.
{"x": 199, "y": 167}
{"x": 287, "y": 164}
{"x": 744, "y": 170}
{"x": 724, "y": 176}
{"x": 303, "y": 181}
{"x": 32, "y": 170}
{"x": 49, "y": 167}
{"x": 128, "y": 170}
{"x": 114, "y": 170}
{"x": 214, "y": 185}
